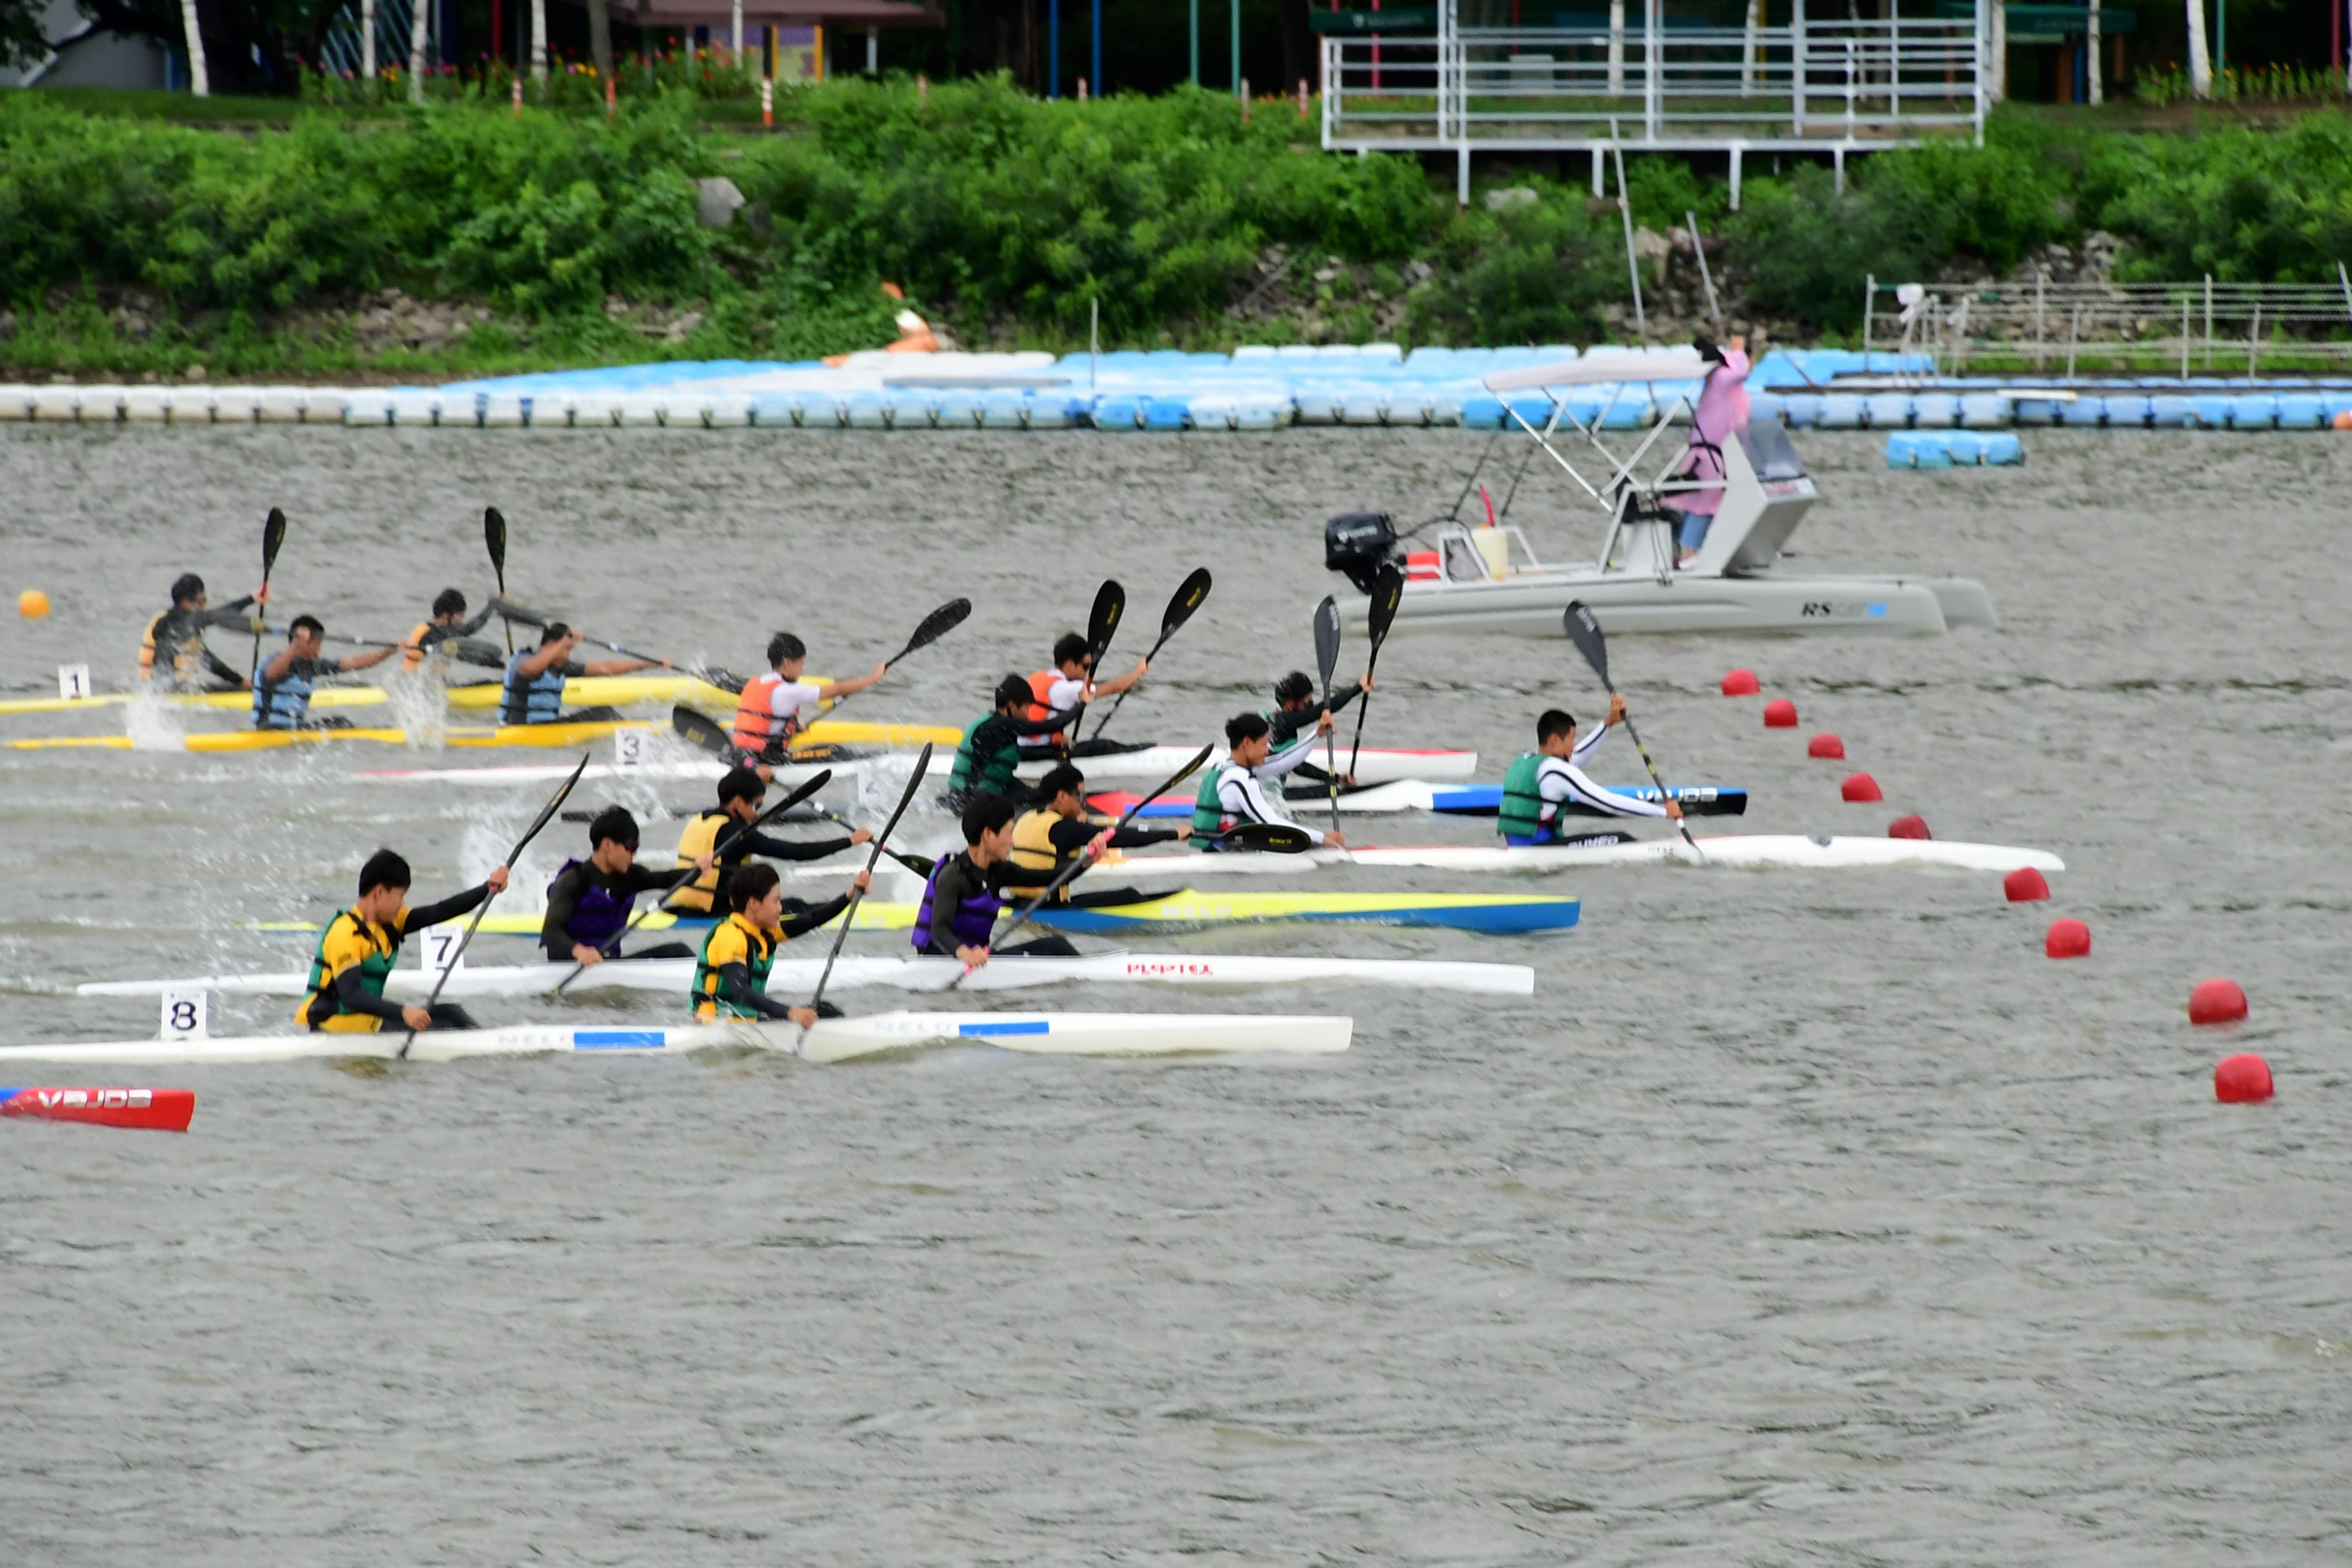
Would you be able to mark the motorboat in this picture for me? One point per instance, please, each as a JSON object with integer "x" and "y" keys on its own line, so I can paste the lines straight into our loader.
{"x": 1486, "y": 577}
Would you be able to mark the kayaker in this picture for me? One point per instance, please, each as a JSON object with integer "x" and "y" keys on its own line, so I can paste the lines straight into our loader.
{"x": 1053, "y": 835}
{"x": 1232, "y": 794}
{"x": 590, "y": 902}
{"x": 741, "y": 792}
{"x": 962, "y": 898}
{"x": 1543, "y": 783}
{"x": 534, "y": 682}
{"x": 779, "y": 705}
{"x": 990, "y": 752}
{"x": 281, "y": 690}
{"x": 1066, "y": 687}
{"x": 360, "y": 946}
{"x": 1722, "y": 408}
{"x": 731, "y": 974}
{"x": 1297, "y": 720}
{"x": 172, "y": 650}
{"x": 438, "y": 635}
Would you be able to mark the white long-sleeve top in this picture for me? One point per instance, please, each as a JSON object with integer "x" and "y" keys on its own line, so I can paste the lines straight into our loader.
{"x": 1561, "y": 781}
{"x": 1240, "y": 799}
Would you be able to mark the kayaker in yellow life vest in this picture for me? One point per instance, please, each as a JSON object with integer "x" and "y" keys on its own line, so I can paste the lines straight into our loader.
{"x": 1055, "y": 834}
{"x": 731, "y": 975}
{"x": 172, "y": 650}
{"x": 436, "y": 637}
{"x": 360, "y": 945}
{"x": 282, "y": 688}
{"x": 778, "y": 705}
{"x": 720, "y": 833}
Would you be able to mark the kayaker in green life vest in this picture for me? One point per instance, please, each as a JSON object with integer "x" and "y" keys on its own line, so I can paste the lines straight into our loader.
{"x": 986, "y": 758}
{"x": 1543, "y": 784}
{"x": 1230, "y": 795}
{"x": 360, "y": 946}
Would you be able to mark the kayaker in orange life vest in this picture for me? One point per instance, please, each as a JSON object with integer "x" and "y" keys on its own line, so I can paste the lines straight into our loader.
{"x": 1066, "y": 687}
{"x": 779, "y": 705}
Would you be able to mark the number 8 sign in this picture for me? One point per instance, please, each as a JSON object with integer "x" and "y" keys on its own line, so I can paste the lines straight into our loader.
{"x": 185, "y": 1015}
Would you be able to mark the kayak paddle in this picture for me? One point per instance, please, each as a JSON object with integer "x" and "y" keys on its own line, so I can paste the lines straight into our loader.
{"x": 881, "y": 841}
{"x": 726, "y": 680}
{"x": 1272, "y": 838}
{"x": 1326, "y": 663}
{"x": 1070, "y": 871}
{"x": 724, "y": 842}
{"x": 546, "y": 814}
{"x": 273, "y": 539}
{"x": 494, "y": 534}
{"x": 1585, "y": 633}
{"x": 1187, "y": 597}
{"x": 935, "y": 626}
{"x": 1388, "y": 592}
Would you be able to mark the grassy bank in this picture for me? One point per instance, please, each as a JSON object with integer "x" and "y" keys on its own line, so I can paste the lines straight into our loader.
{"x": 383, "y": 241}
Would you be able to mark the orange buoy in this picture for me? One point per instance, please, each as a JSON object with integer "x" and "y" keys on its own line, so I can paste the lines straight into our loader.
{"x": 1909, "y": 827}
{"x": 1741, "y": 683}
{"x": 2343, "y": 420}
{"x": 2025, "y": 886}
{"x": 1859, "y": 787}
{"x": 32, "y": 604}
{"x": 1779, "y": 714}
{"x": 2241, "y": 1079}
{"x": 2216, "y": 1002}
{"x": 1826, "y": 746}
{"x": 2067, "y": 939}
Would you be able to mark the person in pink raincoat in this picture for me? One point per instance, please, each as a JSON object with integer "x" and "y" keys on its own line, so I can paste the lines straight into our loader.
{"x": 1722, "y": 408}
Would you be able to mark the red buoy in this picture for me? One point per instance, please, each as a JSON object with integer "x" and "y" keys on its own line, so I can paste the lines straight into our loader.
{"x": 1741, "y": 683}
{"x": 2216, "y": 1002}
{"x": 1779, "y": 714}
{"x": 2241, "y": 1079}
{"x": 1859, "y": 787}
{"x": 1909, "y": 827}
{"x": 2025, "y": 886}
{"x": 1826, "y": 746}
{"x": 2067, "y": 939}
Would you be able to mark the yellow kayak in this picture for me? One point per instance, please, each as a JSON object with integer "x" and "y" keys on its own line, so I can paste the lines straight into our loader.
{"x": 614, "y": 690}
{"x": 823, "y": 732}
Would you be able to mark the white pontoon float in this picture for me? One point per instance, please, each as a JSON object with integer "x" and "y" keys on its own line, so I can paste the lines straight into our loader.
{"x": 1490, "y": 578}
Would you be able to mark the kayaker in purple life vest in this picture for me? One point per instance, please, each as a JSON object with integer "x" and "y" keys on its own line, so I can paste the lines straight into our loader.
{"x": 1722, "y": 408}
{"x": 590, "y": 901}
{"x": 964, "y": 894}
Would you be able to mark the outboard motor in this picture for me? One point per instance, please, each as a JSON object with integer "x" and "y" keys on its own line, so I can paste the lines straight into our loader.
{"x": 1359, "y": 543}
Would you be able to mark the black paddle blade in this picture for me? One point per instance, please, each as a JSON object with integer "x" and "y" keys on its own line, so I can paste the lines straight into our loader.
{"x": 702, "y": 731}
{"x": 824, "y": 777}
{"x": 1189, "y": 595}
{"x": 1110, "y": 604}
{"x": 273, "y": 539}
{"x": 545, "y": 816}
{"x": 474, "y": 650}
{"x": 1388, "y": 592}
{"x": 1326, "y": 641}
{"x": 936, "y": 625}
{"x": 520, "y": 614}
{"x": 494, "y": 534}
{"x": 1585, "y": 633}
{"x": 914, "y": 782}
{"x": 1275, "y": 837}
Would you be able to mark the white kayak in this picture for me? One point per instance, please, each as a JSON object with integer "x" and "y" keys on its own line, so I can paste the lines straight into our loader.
{"x": 831, "y": 1040}
{"x": 795, "y": 978}
{"x": 1745, "y": 852}
{"x": 1376, "y": 764}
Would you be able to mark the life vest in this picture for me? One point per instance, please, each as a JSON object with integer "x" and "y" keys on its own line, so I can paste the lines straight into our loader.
{"x": 1041, "y": 687}
{"x": 1521, "y": 816}
{"x": 1208, "y": 814}
{"x": 699, "y": 838}
{"x": 534, "y": 698}
{"x": 283, "y": 704}
{"x": 186, "y": 656}
{"x": 1303, "y": 735}
{"x": 757, "y": 727}
{"x": 418, "y": 652}
{"x": 738, "y": 941}
{"x": 993, "y": 774}
{"x": 974, "y": 920}
{"x": 1033, "y": 850}
{"x": 599, "y": 914}
{"x": 320, "y": 1003}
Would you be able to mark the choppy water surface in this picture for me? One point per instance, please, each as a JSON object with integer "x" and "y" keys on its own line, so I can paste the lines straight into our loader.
{"x": 1795, "y": 1218}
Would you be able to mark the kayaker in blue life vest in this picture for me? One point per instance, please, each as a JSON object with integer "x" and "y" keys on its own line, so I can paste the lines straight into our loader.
{"x": 590, "y": 902}
{"x": 1543, "y": 783}
{"x": 282, "y": 688}
{"x": 963, "y": 896}
{"x": 534, "y": 684}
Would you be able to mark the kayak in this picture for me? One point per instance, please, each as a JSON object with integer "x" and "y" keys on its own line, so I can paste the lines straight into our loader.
{"x": 1421, "y": 795}
{"x": 830, "y": 1041}
{"x": 155, "y": 1109}
{"x": 826, "y": 731}
{"x": 797, "y": 976}
{"x": 1747, "y": 852}
{"x": 1146, "y": 763}
{"x": 615, "y": 691}
{"x": 1187, "y": 907}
